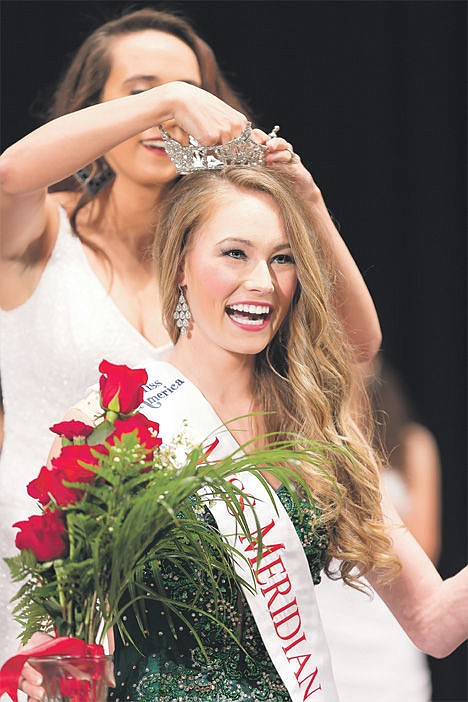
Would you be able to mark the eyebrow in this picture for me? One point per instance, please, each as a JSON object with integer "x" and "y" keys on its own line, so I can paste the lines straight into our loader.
{"x": 247, "y": 242}
{"x": 154, "y": 79}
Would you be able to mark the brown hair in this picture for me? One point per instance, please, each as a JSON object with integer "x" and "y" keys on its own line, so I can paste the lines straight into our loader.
{"x": 304, "y": 378}
{"x": 84, "y": 80}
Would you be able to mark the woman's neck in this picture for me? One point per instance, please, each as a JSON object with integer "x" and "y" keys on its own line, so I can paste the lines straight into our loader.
{"x": 126, "y": 217}
{"x": 134, "y": 212}
{"x": 227, "y": 382}
{"x": 224, "y": 378}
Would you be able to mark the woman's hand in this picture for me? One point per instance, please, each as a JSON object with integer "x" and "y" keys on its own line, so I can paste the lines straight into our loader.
{"x": 201, "y": 114}
{"x": 30, "y": 681}
{"x": 280, "y": 155}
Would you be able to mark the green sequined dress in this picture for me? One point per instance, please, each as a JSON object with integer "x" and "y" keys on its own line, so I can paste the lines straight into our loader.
{"x": 169, "y": 670}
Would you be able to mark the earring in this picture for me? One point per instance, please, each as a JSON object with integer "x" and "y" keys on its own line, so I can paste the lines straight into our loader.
{"x": 182, "y": 313}
{"x": 94, "y": 183}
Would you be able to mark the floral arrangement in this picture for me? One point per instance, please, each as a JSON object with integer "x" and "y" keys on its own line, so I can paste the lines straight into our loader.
{"x": 112, "y": 501}
{"x": 116, "y": 499}
{"x": 107, "y": 501}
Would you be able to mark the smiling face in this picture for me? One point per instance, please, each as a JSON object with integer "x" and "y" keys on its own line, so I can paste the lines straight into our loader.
{"x": 143, "y": 60}
{"x": 239, "y": 274}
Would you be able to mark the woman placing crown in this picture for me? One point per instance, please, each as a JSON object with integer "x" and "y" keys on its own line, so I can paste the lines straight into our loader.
{"x": 261, "y": 342}
{"x": 76, "y": 282}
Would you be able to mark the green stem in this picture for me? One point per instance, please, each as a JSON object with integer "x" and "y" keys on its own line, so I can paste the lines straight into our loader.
{"x": 61, "y": 594}
{"x": 111, "y": 416}
{"x": 89, "y": 620}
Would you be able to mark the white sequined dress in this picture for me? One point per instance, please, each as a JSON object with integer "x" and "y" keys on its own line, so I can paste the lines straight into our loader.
{"x": 50, "y": 349}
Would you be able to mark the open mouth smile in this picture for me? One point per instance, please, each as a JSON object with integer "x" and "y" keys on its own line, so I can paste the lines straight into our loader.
{"x": 249, "y": 315}
{"x": 155, "y": 145}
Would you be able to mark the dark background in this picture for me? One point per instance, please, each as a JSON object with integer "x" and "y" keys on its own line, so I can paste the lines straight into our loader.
{"x": 372, "y": 95}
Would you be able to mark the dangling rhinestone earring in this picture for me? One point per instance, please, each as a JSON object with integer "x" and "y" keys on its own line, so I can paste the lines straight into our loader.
{"x": 182, "y": 313}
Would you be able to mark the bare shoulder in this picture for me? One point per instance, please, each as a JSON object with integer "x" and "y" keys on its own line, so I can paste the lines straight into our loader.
{"x": 420, "y": 450}
{"x": 24, "y": 257}
{"x": 417, "y": 437}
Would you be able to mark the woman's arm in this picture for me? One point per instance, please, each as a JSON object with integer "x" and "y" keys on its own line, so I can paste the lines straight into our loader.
{"x": 421, "y": 466}
{"x": 432, "y": 611}
{"x": 59, "y": 148}
{"x": 352, "y": 299}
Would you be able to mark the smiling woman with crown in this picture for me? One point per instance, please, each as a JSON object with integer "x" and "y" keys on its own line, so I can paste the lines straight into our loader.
{"x": 76, "y": 284}
{"x": 258, "y": 351}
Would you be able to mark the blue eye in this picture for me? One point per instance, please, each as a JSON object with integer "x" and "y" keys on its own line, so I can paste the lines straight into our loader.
{"x": 234, "y": 253}
{"x": 284, "y": 258}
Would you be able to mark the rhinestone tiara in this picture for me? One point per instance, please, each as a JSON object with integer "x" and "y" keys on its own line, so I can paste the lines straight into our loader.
{"x": 241, "y": 151}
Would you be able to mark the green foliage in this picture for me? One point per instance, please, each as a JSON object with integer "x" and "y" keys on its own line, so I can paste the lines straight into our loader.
{"x": 134, "y": 515}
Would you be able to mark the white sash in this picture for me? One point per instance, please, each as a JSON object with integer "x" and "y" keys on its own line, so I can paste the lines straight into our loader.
{"x": 284, "y": 604}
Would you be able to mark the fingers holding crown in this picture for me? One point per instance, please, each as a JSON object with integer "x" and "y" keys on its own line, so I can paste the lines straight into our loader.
{"x": 279, "y": 151}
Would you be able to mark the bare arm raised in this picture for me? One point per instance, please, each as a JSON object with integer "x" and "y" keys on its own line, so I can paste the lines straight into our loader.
{"x": 59, "y": 148}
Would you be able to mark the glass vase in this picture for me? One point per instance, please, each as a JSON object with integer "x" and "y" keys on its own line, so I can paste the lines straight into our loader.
{"x": 74, "y": 678}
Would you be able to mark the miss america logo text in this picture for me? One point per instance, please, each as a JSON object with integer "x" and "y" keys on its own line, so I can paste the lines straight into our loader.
{"x": 159, "y": 391}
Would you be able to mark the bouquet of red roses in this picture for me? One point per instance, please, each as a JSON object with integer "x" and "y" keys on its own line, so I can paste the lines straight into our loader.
{"x": 114, "y": 500}
{"x": 107, "y": 500}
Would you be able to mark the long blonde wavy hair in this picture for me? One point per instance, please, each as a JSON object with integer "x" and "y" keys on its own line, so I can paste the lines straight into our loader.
{"x": 304, "y": 378}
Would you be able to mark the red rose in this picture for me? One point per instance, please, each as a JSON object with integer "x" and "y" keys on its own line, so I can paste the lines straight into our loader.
{"x": 70, "y": 460}
{"x": 44, "y": 534}
{"x": 48, "y": 485}
{"x": 66, "y": 467}
{"x": 147, "y": 431}
{"x": 121, "y": 387}
{"x": 72, "y": 429}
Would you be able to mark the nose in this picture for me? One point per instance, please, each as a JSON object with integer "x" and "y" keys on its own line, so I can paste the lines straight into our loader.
{"x": 259, "y": 278}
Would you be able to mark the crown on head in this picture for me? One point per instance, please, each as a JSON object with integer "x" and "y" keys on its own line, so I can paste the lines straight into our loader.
{"x": 241, "y": 151}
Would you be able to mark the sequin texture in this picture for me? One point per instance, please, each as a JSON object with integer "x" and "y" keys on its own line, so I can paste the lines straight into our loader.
{"x": 169, "y": 669}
